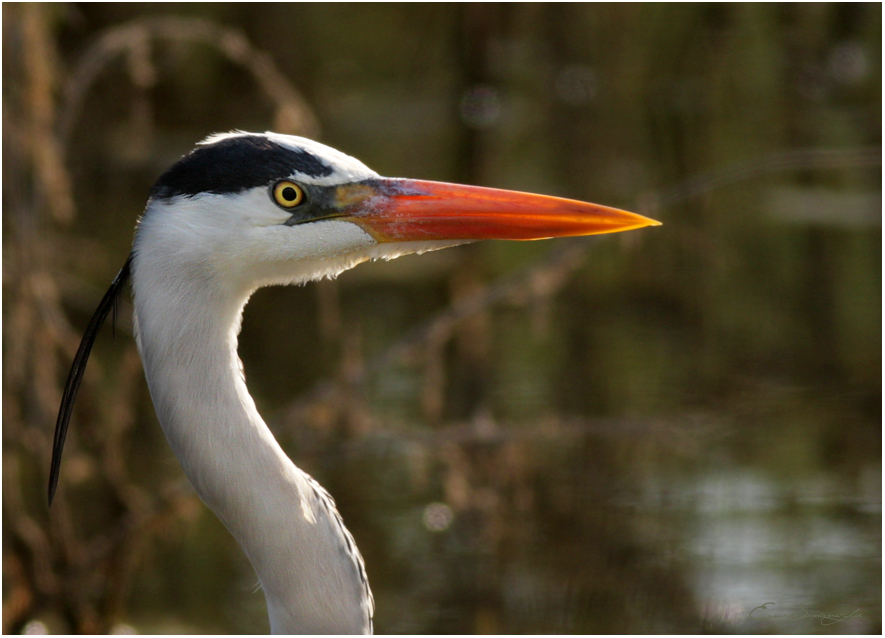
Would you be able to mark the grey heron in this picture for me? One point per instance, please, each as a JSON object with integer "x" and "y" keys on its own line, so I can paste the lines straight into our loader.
{"x": 245, "y": 210}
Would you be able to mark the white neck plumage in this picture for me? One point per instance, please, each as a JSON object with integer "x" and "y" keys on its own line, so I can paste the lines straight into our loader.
{"x": 307, "y": 563}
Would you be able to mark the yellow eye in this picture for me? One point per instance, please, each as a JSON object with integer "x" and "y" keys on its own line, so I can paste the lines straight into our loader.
{"x": 288, "y": 194}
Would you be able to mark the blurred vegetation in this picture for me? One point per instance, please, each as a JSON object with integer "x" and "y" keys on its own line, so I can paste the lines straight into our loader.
{"x": 646, "y": 433}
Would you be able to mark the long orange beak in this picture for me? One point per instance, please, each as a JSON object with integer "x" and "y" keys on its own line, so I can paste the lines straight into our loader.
{"x": 413, "y": 210}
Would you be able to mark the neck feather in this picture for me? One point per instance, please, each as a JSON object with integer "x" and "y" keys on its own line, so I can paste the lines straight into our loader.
{"x": 306, "y": 561}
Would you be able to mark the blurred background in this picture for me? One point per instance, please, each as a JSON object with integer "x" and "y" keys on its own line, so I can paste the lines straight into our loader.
{"x": 660, "y": 431}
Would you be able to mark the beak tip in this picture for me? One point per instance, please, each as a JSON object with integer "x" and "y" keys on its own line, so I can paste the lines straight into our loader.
{"x": 646, "y": 221}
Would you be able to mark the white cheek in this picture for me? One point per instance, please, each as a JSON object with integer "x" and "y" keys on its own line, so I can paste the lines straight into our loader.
{"x": 315, "y": 240}
{"x": 253, "y": 208}
{"x": 306, "y": 252}
{"x": 296, "y": 254}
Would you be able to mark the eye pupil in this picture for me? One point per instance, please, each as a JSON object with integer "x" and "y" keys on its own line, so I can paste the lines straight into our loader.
{"x": 290, "y": 194}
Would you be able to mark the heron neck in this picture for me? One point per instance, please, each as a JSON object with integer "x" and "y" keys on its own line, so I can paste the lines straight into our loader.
{"x": 286, "y": 524}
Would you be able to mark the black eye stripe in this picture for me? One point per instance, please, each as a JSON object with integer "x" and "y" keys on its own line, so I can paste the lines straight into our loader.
{"x": 234, "y": 165}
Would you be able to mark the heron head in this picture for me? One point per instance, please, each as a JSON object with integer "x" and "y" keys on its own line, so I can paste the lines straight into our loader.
{"x": 256, "y": 209}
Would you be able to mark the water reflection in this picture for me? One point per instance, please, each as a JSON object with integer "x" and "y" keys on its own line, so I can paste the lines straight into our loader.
{"x": 751, "y": 540}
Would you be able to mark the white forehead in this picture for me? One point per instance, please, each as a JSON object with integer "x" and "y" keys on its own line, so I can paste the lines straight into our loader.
{"x": 345, "y": 169}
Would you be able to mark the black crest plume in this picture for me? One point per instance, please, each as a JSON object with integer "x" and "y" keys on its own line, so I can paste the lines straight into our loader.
{"x": 75, "y": 376}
